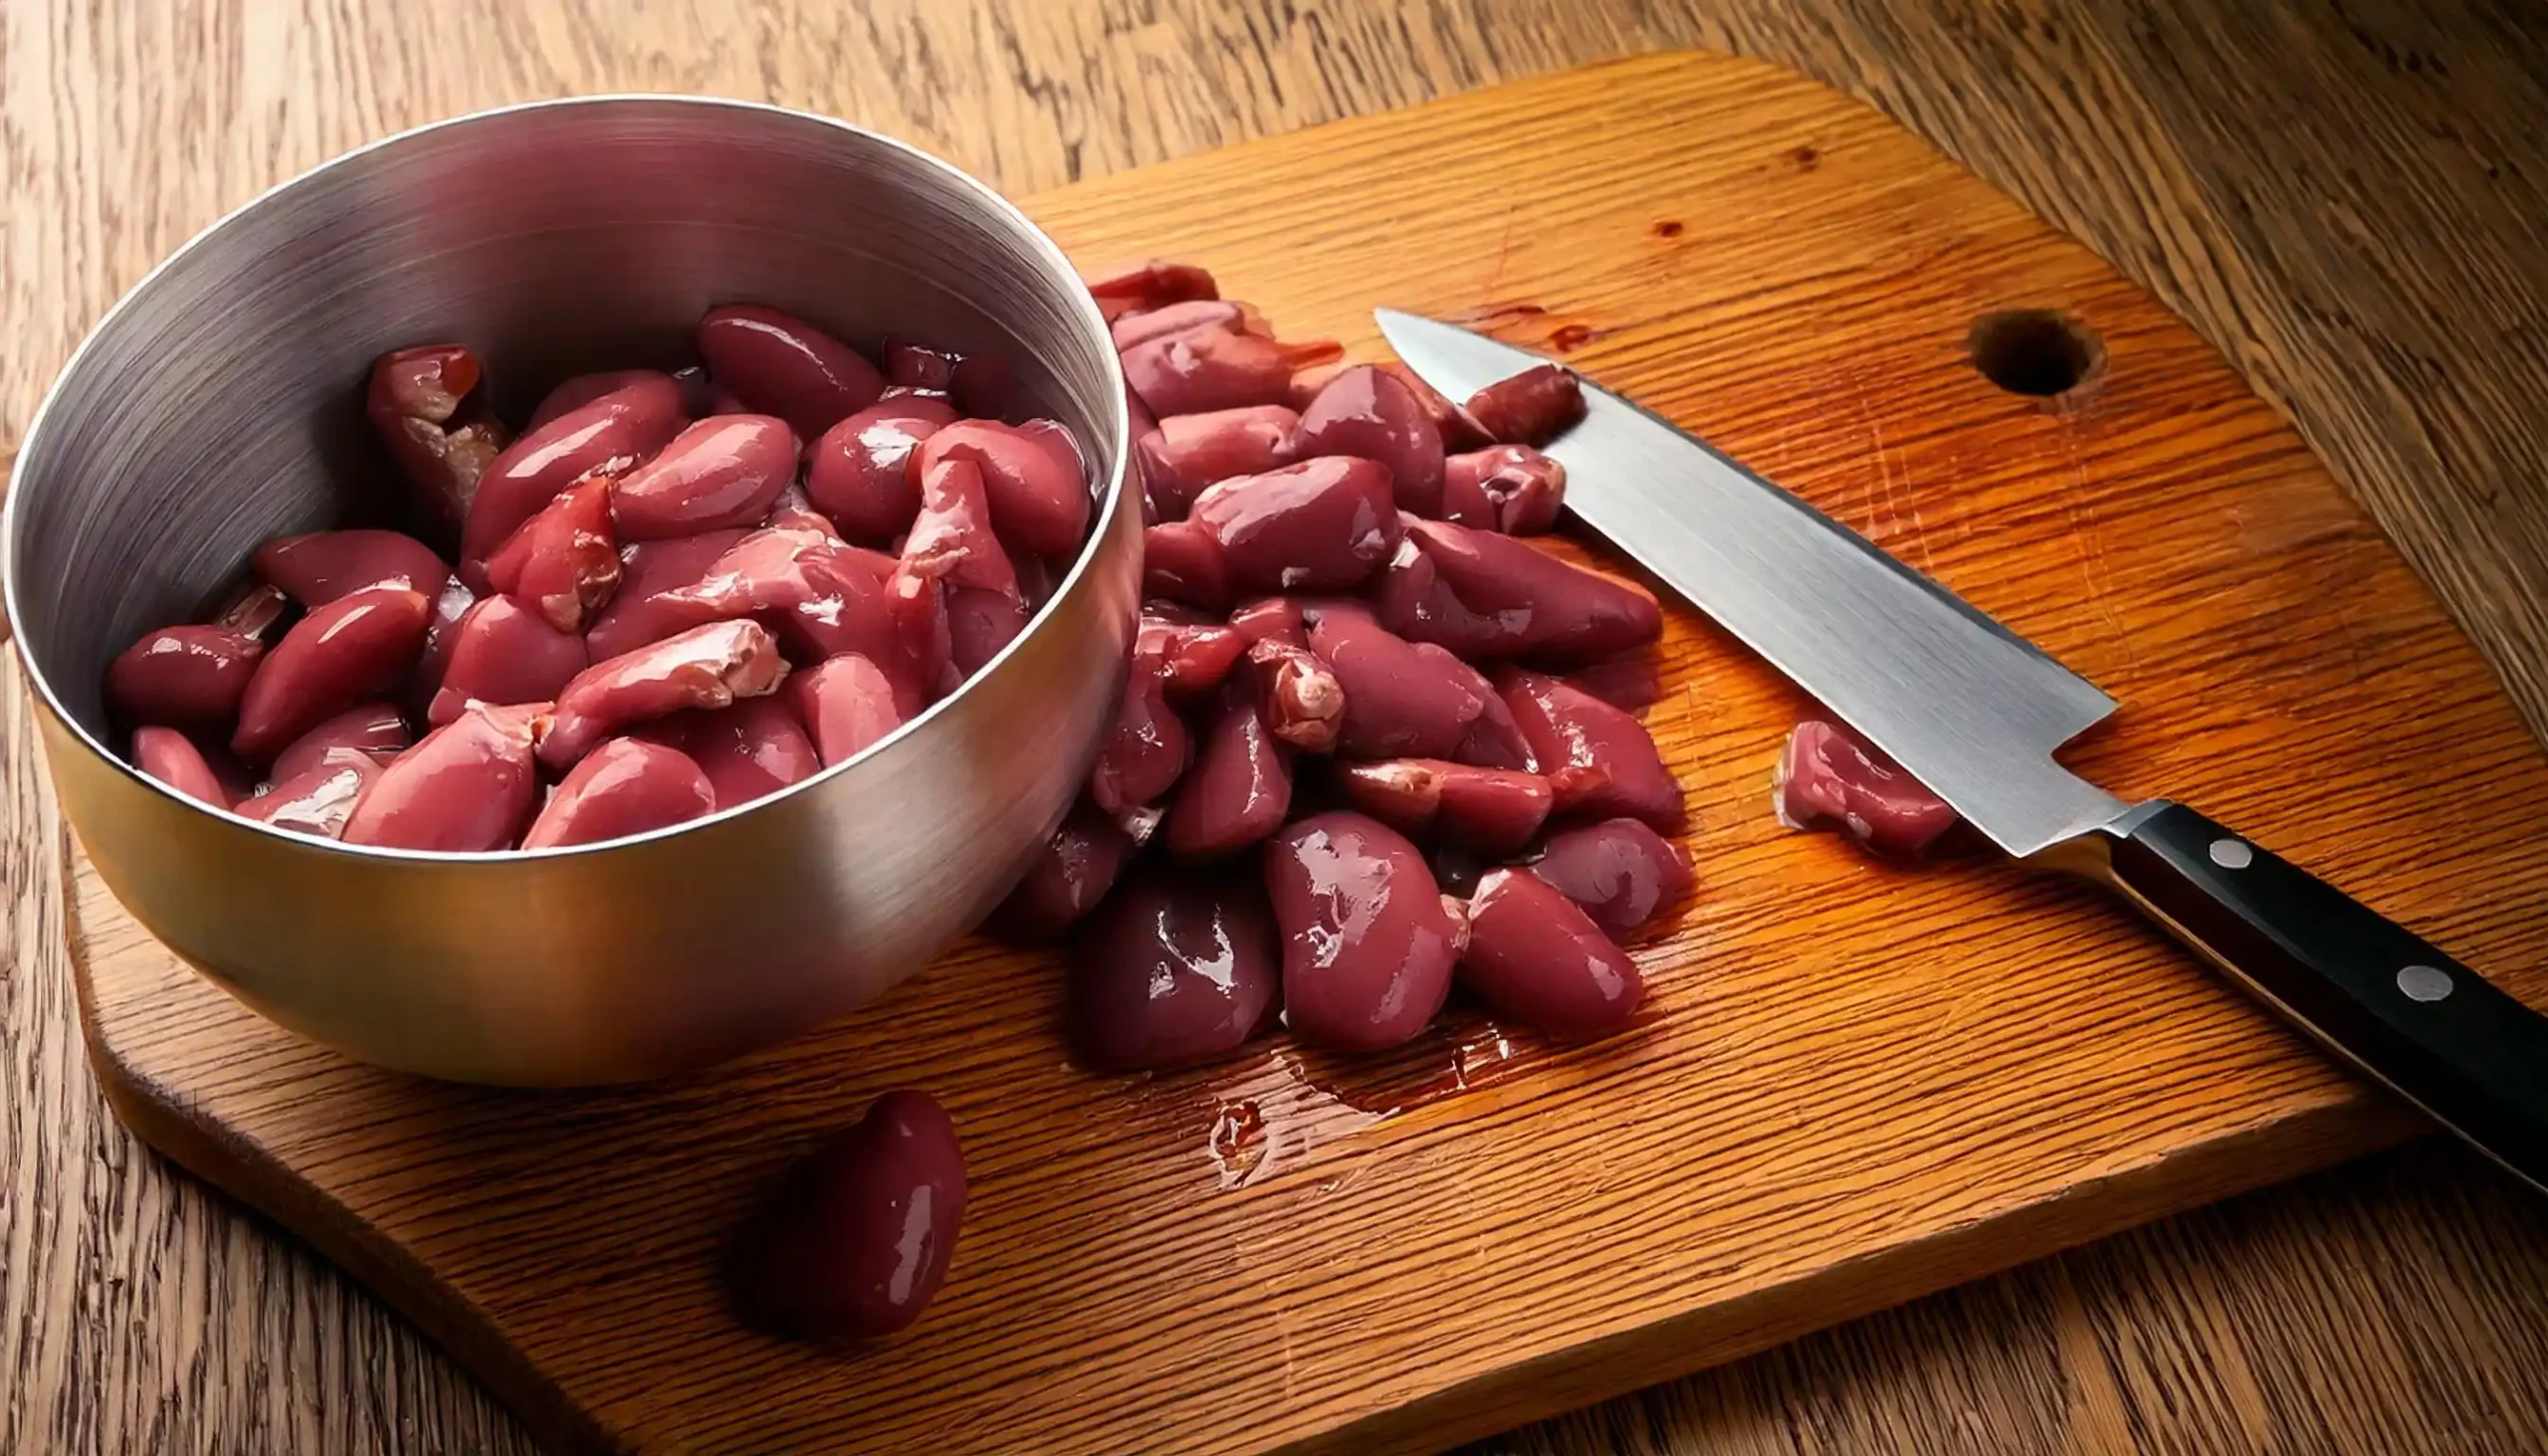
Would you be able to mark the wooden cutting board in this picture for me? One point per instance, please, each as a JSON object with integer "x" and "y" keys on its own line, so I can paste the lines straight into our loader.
{"x": 1856, "y": 1083}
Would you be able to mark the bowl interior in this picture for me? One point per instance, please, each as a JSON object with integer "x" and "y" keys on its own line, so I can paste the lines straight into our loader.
{"x": 220, "y": 404}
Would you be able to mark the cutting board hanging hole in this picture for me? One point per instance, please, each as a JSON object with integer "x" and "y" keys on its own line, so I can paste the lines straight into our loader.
{"x": 2036, "y": 352}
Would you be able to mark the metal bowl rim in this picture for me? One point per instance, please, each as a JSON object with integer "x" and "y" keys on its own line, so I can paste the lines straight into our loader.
{"x": 1110, "y": 501}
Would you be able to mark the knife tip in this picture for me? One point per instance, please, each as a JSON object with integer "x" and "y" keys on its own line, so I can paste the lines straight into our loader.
{"x": 1398, "y": 323}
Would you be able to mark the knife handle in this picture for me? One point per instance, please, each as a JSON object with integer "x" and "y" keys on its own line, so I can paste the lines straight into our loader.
{"x": 2434, "y": 1031}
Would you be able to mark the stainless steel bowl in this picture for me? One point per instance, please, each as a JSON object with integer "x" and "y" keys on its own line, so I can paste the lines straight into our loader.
{"x": 219, "y": 404}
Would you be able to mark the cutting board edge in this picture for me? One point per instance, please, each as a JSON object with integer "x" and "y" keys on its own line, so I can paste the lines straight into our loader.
{"x": 245, "y": 1172}
{"x": 2269, "y": 1151}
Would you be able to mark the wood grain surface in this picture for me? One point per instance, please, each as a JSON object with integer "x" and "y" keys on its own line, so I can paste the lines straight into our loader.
{"x": 1851, "y": 1083}
{"x": 2372, "y": 271}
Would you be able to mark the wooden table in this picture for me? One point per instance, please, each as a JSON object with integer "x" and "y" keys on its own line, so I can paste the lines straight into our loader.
{"x": 2349, "y": 201}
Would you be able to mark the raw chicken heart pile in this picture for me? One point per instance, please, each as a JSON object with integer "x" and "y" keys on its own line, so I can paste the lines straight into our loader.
{"x": 1352, "y": 690}
{"x": 669, "y": 594}
{"x": 1374, "y": 745}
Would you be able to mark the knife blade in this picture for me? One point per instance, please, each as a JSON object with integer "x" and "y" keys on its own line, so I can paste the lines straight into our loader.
{"x": 1976, "y": 712}
{"x": 1970, "y": 708}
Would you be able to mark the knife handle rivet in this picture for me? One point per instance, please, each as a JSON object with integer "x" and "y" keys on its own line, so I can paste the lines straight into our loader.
{"x": 2424, "y": 982}
{"x": 2232, "y": 854}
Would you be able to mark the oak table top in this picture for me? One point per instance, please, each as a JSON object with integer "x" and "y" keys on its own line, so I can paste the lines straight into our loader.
{"x": 2348, "y": 201}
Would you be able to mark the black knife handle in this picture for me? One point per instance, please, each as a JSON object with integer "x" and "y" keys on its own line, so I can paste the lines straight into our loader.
{"x": 2436, "y": 1032}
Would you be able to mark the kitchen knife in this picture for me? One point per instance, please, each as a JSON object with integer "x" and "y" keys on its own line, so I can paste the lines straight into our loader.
{"x": 1975, "y": 711}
